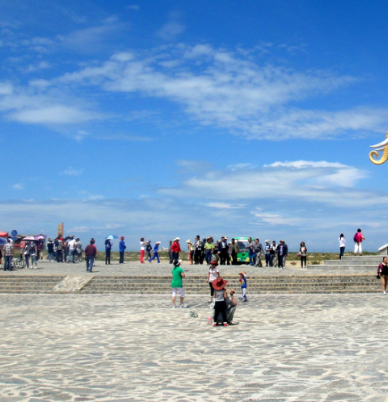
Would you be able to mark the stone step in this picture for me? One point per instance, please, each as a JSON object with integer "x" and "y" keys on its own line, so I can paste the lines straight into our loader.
{"x": 351, "y": 262}
{"x": 371, "y": 258}
{"x": 344, "y": 268}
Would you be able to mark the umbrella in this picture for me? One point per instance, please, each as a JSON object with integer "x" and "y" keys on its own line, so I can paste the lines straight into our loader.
{"x": 40, "y": 237}
{"x": 111, "y": 237}
{"x": 2, "y": 241}
{"x": 29, "y": 238}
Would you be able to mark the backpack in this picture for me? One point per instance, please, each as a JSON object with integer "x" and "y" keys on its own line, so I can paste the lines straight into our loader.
{"x": 356, "y": 238}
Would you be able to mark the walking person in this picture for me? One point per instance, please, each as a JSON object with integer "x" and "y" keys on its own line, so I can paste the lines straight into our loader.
{"x": 90, "y": 255}
{"x": 176, "y": 284}
{"x": 303, "y": 254}
{"x": 176, "y": 249}
{"x": 148, "y": 249}
{"x": 382, "y": 272}
{"x": 33, "y": 254}
{"x": 108, "y": 248}
{"x": 190, "y": 251}
{"x": 358, "y": 238}
{"x": 282, "y": 251}
{"x": 243, "y": 280}
{"x": 342, "y": 244}
{"x": 142, "y": 250}
{"x": 235, "y": 248}
{"x": 220, "y": 295}
{"x": 156, "y": 252}
{"x": 8, "y": 255}
{"x": 122, "y": 248}
{"x": 212, "y": 275}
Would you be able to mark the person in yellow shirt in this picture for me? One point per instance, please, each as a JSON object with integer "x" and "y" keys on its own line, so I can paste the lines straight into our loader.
{"x": 209, "y": 246}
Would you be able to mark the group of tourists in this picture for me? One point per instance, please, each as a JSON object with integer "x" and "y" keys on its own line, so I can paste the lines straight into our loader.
{"x": 222, "y": 299}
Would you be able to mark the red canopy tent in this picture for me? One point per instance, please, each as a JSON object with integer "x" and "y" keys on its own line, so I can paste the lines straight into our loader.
{"x": 3, "y": 234}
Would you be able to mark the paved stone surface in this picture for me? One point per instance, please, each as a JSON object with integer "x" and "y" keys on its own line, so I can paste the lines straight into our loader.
{"x": 135, "y": 268}
{"x": 71, "y": 283}
{"x": 125, "y": 348}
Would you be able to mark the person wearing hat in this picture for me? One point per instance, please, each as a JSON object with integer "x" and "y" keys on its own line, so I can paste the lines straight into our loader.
{"x": 223, "y": 250}
{"x": 282, "y": 251}
{"x": 176, "y": 249}
{"x": 208, "y": 247}
{"x": 212, "y": 275}
{"x": 190, "y": 251}
{"x": 156, "y": 252}
{"x": 220, "y": 295}
{"x": 177, "y": 285}
{"x": 197, "y": 249}
{"x": 122, "y": 248}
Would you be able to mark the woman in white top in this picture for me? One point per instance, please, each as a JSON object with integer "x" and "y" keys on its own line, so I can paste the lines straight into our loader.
{"x": 342, "y": 244}
{"x": 212, "y": 275}
{"x": 142, "y": 249}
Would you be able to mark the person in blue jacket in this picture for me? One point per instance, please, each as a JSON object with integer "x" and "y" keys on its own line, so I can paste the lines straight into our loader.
{"x": 156, "y": 252}
{"x": 122, "y": 248}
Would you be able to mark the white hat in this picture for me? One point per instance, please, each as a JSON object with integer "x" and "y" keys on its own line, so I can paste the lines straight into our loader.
{"x": 177, "y": 238}
{"x": 188, "y": 241}
{"x": 158, "y": 242}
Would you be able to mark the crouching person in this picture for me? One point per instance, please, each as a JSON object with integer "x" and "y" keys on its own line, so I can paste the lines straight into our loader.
{"x": 224, "y": 308}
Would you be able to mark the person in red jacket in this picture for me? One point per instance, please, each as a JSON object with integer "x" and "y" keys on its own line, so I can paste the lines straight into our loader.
{"x": 175, "y": 249}
{"x": 90, "y": 254}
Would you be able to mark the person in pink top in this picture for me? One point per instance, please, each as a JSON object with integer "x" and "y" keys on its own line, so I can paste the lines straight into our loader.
{"x": 358, "y": 238}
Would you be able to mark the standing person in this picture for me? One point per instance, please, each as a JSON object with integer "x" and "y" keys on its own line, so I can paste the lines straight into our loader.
{"x": 156, "y": 252}
{"x": 258, "y": 249}
{"x": 8, "y": 255}
{"x": 33, "y": 253}
{"x": 78, "y": 247}
{"x": 72, "y": 251}
{"x": 39, "y": 246}
{"x": 26, "y": 253}
{"x": 208, "y": 247}
{"x": 342, "y": 244}
{"x": 176, "y": 249}
{"x": 250, "y": 251}
{"x": 228, "y": 251}
{"x": 1, "y": 256}
{"x": 201, "y": 259}
{"x": 212, "y": 275}
{"x": 274, "y": 256}
{"x": 358, "y": 238}
{"x": 142, "y": 250}
{"x": 148, "y": 249}
{"x": 282, "y": 251}
{"x": 190, "y": 251}
{"x": 231, "y": 305}
{"x": 177, "y": 285}
{"x": 197, "y": 250}
{"x": 235, "y": 248}
{"x": 223, "y": 250}
{"x": 303, "y": 254}
{"x": 170, "y": 252}
{"x": 50, "y": 250}
{"x": 90, "y": 255}
{"x": 220, "y": 295}
{"x": 58, "y": 245}
{"x": 267, "y": 248}
{"x": 108, "y": 248}
{"x": 243, "y": 280}
{"x": 122, "y": 248}
{"x": 382, "y": 272}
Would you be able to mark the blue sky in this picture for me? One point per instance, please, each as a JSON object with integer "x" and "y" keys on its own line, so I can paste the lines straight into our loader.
{"x": 170, "y": 118}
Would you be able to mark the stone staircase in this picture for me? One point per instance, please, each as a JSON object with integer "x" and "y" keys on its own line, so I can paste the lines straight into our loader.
{"x": 28, "y": 283}
{"x": 256, "y": 284}
{"x": 361, "y": 264}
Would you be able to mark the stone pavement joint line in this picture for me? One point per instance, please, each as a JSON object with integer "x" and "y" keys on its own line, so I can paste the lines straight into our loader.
{"x": 290, "y": 348}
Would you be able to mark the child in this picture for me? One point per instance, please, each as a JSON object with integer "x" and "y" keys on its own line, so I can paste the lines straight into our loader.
{"x": 243, "y": 280}
{"x": 156, "y": 252}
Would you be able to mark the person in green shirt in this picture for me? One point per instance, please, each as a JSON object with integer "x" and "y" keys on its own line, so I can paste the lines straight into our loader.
{"x": 176, "y": 284}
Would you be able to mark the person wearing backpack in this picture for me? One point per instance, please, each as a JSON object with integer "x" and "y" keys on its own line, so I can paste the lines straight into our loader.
{"x": 358, "y": 238}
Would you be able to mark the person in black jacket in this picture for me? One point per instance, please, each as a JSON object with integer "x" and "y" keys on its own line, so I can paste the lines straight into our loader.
{"x": 282, "y": 251}
{"x": 223, "y": 249}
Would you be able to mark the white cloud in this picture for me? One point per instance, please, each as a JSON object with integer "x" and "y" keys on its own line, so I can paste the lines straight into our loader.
{"x": 6, "y": 88}
{"x": 223, "y": 205}
{"x": 306, "y": 164}
{"x": 241, "y": 166}
{"x": 231, "y": 91}
{"x": 72, "y": 172}
{"x": 17, "y": 186}
{"x": 276, "y": 219}
{"x": 170, "y": 30}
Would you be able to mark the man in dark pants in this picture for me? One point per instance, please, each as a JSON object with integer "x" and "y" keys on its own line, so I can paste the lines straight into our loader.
{"x": 282, "y": 251}
{"x": 235, "y": 248}
{"x": 197, "y": 250}
{"x": 176, "y": 249}
{"x": 223, "y": 250}
{"x": 122, "y": 248}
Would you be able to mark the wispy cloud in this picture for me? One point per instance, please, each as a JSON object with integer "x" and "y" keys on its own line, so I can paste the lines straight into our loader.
{"x": 72, "y": 172}
{"x": 17, "y": 186}
{"x": 223, "y": 205}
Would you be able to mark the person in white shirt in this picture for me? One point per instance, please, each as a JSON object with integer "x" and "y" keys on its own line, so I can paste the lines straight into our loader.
{"x": 142, "y": 249}
{"x": 71, "y": 248}
{"x": 342, "y": 244}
